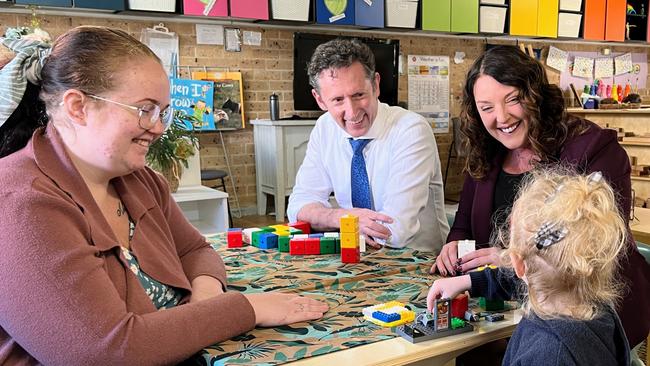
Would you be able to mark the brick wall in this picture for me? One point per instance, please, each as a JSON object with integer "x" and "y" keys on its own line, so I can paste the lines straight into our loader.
{"x": 269, "y": 68}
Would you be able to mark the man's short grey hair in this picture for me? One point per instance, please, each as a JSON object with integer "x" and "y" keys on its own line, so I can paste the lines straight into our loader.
{"x": 339, "y": 53}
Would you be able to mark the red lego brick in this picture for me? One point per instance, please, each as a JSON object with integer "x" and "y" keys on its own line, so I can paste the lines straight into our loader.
{"x": 301, "y": 225}
{"x": 297, "y": 247}
{"x": 350, "y": 255}
{"x": 235, "y": 238}
{"x": 459, "y": 306}
{"x": 312, "y": 246}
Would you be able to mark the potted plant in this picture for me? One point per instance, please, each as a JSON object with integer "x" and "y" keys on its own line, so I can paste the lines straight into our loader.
{"x": 171, "y": 151}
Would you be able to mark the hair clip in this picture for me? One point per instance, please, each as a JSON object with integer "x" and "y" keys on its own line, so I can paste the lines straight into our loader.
{"x": 549, "y": 234}
{"x": 595, "y": 177}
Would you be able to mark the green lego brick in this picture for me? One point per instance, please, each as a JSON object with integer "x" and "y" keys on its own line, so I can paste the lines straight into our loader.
{"x": 337, "y": 246}
{"x": 491, "y": 305}
{"x": 283, "y": 244}
{"x": 294, "y": 231}
{"x": 327, "y": 245}
{"x": 268, "y": 229}
{"x": 255, "y": 237}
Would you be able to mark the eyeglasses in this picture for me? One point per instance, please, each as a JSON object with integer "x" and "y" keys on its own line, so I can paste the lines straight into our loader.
{"x": 148, "y": 114}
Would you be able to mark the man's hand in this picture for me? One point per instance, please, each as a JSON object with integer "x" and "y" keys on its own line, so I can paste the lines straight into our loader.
{"x": 370, "y": 226}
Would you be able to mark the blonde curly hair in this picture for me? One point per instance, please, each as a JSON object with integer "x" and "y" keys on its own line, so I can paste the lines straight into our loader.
{"x": 577, "y": 273}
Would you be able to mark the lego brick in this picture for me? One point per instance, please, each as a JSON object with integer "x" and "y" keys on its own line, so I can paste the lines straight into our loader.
{"x": 350, "y": 240}
{"x": 297, "y": 247}
{"x": 338, "y": 246}
{"x": 283, "y": 244}
{"x": 349, "y": 224}
{"x": 459, "y": 305}
{"x": 495, "y": 317}
{"x": 302, "y": 226}
{"x": 350, "y": 255}
{"x": 312, "y": 246}
{"x": 268, "y": 241}
{"x": 235, "y": 238}
{"x": 388, "y": 314}
{"x": 280, "y": 227}
{"x": 491, "y": 305}
{"x": 331, "y": 235}
{"x": 247, "y": 234}
{"x": 301, "y": 236}
{"x": 295, "y": 231}
{"x": 316, "y": 235}
{"x": 268, "y": 229}
{"x": 327, "y": 245}
{"x": 255, "y": 237}
{"x": 362, "y": 243}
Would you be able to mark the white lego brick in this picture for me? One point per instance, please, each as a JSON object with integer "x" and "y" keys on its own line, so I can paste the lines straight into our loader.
{"x": 331, "y": 235}
{"x": 247, "y": 234}
{"x": 362, "y": 243}
{"x": 465, "y": 247}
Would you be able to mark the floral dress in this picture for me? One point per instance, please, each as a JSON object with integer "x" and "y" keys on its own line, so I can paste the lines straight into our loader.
{"x": 162, "y": 296}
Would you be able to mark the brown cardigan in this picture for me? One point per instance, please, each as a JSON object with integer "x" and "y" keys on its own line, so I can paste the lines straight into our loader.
{"x": 68, "y": 298}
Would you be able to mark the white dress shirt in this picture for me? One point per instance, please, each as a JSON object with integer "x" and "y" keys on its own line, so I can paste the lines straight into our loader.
{"x": 403, "y": 170}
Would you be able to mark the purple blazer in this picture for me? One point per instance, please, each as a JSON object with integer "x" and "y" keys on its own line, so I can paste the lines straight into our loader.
{"x": 597, "y": 149}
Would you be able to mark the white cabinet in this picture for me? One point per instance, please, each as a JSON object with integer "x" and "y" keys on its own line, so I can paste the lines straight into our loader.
{"x": 206, "y": 208}
{"x": 280, "y": 148}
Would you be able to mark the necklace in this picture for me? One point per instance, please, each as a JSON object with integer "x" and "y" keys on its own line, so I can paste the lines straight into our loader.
{"x": 121, "y": 210}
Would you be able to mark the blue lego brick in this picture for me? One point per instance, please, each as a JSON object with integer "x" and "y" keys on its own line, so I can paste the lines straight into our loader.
{"x": 268, "y": 241}
{"x": 316, "y": 235}
{"x": 387, "y": 318}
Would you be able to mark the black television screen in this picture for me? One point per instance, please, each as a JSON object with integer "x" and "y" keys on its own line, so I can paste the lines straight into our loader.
{"x": 386, "y": 53}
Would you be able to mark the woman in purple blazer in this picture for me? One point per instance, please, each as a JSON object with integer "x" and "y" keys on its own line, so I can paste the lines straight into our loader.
{"x": 513, "y": 122}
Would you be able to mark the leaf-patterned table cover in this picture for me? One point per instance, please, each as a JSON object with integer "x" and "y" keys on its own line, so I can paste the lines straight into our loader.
{"x": 383, "y": 275}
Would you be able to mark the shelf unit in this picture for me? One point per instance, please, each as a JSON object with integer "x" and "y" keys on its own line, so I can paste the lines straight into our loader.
{"x": 631, "y": 120}
{"x": 9, "y": 8}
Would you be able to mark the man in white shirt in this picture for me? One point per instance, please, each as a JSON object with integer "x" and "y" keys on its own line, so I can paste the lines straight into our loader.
{"x": 406, "y": 199}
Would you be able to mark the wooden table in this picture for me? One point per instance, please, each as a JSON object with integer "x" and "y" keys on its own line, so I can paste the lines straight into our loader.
{"x": 342, "y": 336}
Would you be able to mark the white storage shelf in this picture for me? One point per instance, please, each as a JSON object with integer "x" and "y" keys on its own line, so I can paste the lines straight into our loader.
{"x": 205, "y": 208}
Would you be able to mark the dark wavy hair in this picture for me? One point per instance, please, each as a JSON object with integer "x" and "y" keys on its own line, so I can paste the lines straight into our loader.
{"x": 339, "y": 53}
{"x": 549, "y": 125}
{"x": 85, "y": 58}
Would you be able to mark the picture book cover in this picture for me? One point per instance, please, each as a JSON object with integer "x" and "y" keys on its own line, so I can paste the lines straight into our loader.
{"x": 228, "y": 98}
{"x": 195, "y": 98}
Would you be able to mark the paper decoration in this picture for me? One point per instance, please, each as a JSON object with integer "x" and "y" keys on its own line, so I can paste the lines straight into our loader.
{"x": 557, "y": 59}
{"x": 209, "y": 34}
{"x": 604, "y": 68}
{"x": 228, "y": 98}
{"x": 583, "y": 67}
{"x": 623, "y": 63}
{"x": 195, "y": 98}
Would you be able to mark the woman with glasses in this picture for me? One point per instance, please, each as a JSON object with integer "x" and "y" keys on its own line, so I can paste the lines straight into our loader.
{"x": 98, "y": 264}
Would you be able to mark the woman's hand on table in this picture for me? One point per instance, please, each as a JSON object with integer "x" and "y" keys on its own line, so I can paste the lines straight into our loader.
{"x": 205, "y": 287}
{"x": 447, "y": 288}
{"x": 480, "y": 257}
{"x": 447, "y": 261}
{"x": 275, "y": 308}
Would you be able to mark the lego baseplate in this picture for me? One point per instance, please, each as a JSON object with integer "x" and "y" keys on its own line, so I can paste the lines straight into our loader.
{"x": 416, "y": 333}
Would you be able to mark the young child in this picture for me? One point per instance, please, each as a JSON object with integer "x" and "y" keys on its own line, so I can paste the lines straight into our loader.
{"x": 564, "y": 237}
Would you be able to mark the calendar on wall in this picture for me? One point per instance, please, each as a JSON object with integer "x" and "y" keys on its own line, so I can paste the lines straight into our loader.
{"x": 428, "y": 89}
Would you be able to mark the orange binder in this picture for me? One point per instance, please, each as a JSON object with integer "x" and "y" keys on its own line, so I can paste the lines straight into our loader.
{"x": 615, "y": 20}
{"x": 594, "y": 20}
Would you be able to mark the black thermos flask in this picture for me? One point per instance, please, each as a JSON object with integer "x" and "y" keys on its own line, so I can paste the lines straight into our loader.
{"x": 274, "y": 106}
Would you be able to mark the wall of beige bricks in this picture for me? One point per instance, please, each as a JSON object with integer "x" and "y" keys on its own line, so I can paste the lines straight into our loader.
{"x": 268, "y": 68}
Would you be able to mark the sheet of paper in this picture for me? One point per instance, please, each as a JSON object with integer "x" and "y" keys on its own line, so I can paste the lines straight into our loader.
{"x": 604, "y": 68}
{"x": 209, "y": 34}
{"x": 583, "y": 67}
{"x": 428, "y": 89}
{"x": 252, "y": 38}
{"x": 557, "y": 59}
{"x": 623, "y": 63}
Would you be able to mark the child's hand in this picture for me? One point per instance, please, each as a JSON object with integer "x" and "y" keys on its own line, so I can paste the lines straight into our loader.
{"x": 447, "y": 288}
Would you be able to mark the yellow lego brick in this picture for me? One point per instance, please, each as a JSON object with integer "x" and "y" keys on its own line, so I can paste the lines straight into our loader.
{"x": 280, "y": 227}
{"x": 350, "y": 240}
{"x": 391, "y": 307}
{"x": 349, "y": 224}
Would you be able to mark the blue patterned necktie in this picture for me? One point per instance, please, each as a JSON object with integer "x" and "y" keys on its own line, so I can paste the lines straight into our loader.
{"x": 360, "y": 186}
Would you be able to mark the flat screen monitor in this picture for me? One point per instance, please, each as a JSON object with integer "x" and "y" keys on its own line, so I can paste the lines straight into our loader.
{"x": 386, "y": 53}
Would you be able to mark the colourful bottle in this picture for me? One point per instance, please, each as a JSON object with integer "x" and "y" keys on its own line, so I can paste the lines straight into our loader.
{"x": 614, "y": 92}
{"x": 601, "y": 89}
{"x": 619, "y": 92}
{"x": 608, "y": 93}
{"x": 628, "y": 88}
